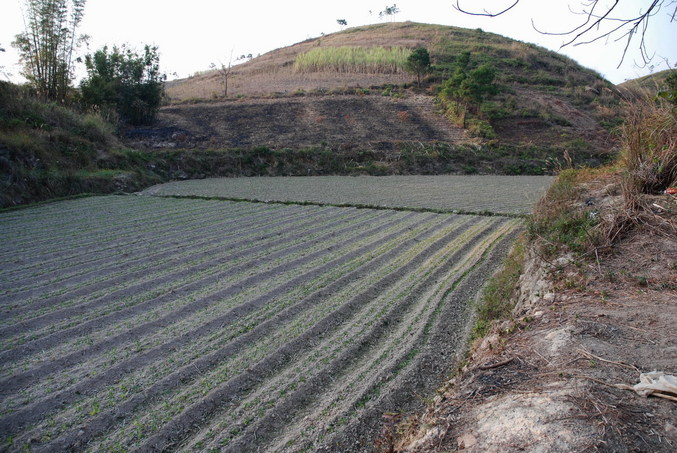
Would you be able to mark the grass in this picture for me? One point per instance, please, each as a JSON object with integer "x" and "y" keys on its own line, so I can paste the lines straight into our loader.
{"x": 649, "y": 147}
{"x": 559, "y": 222}
{"x": 497, "y": 300}
{"x": 351, "y": 59}
{"x": 567, "y": 219}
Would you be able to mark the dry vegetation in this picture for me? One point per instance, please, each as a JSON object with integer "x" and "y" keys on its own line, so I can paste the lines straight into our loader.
{"x": 345, "y": 59}
{"x": 274, "y": 71}
{"x": 547, "y": 106}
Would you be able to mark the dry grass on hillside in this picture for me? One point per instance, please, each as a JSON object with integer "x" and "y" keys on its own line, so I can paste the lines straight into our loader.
{"x": 274, "y": 71}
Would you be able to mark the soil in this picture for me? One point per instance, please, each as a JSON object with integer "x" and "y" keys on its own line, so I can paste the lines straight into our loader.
{"x": 574, "y": 123}
{"x": 552, "y": 378}
{"x": 297, "y": 121}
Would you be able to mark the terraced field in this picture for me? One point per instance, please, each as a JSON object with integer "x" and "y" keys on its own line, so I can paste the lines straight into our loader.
{"x": 140, "y": 323}
{"x": 447, "y": 193}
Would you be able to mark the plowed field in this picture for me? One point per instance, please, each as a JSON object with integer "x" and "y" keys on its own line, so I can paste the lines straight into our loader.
{"x": 140, "y": 323}
{"x": 448, "y": 193}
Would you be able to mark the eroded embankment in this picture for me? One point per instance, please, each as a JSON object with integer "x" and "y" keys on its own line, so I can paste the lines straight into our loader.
{"x": 146, "y": 323}
{"x": 559, "y": 375}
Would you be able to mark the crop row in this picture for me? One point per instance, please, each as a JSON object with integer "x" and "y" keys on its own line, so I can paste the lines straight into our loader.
{"x": 200, "y": 325}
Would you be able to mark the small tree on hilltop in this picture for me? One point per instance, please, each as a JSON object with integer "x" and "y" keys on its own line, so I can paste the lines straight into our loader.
{"x": 418, "y": 63}
{"x": 225, "y": 73}
{"x": 390, "y": 11}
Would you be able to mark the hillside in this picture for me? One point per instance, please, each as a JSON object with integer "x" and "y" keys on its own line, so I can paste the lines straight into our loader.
{"x": 299, "y": 122}
{"x": 545, "y": 100}
{"x": 549, "y": 113}
{"x": 651, "y": 82}
{"x": 274, "y": 71}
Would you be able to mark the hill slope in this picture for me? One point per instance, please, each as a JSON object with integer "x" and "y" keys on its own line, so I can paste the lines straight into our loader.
{"x": 301, "y": 121}
{"x": 545, "y": 100}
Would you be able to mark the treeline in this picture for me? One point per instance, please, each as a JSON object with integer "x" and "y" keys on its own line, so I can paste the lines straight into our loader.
{"x": 121, "y": 83}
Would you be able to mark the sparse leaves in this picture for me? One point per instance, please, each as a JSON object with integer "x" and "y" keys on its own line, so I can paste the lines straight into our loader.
{"x": 48, "y": 43}
{"x": 389, "y": 11}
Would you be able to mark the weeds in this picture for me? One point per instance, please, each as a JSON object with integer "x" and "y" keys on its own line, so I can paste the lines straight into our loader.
{"x": 649, "y": 153}
{"x": 559, "y": 221}
{"x": 497, "y": 300}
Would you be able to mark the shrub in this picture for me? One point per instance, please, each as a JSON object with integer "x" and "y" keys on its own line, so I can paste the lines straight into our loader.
{"x": 130, "y": 83}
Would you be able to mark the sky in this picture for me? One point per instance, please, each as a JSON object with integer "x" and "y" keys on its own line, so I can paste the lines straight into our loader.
{"x": 192, "y": 35}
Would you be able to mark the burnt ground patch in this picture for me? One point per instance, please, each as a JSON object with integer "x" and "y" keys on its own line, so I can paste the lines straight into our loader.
{"x": 297, "y": 121}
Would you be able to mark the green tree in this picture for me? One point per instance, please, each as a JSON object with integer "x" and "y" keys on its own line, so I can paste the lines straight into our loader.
{"x": 418, "y": 63}
{"x": 122, "y": 79}
{"x": 48, "y": 43}
{"x": 470, "y": 86}
{"x": 466, "y": 89}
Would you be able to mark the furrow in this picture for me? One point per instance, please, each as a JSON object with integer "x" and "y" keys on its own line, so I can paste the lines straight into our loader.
{"x": 191, "y": 304}
{"x": 182, "y": 426}
{"x": 106, "y": 320}
{"x": 273, "y": 340}
{"x": 66, "y": 215}
{"x": 363, "y": 340}
{"x": 130, "y": 218}
{"x": 138, "y": 239}
{"x": 103, "y": 262}
{"x": 187, "y": 277}
{"x": 305, "y": 367}
{"x": 260, "y": 331}
{"x": 422, "y": 371}
{"x": 130, "y": 276}
{"x": 356, "y": 384}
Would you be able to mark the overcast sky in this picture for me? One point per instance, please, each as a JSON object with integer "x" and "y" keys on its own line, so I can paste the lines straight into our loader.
{"x": 193, "y": 34}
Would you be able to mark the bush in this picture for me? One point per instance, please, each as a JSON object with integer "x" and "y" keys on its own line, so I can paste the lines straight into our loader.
{"x": 130, "y": 83}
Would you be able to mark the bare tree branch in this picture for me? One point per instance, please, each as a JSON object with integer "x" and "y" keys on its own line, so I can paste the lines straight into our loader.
{"x": 629, "y": 28}
{"x": 486, "y": 13}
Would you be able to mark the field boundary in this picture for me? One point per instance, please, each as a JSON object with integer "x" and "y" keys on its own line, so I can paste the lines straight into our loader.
{"x": 484, "y": 213}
